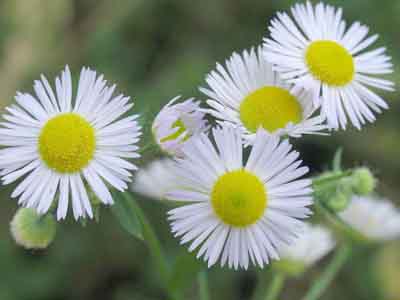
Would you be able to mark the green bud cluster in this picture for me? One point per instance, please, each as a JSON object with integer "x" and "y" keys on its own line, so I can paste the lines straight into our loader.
{"x": 335, "y": 188}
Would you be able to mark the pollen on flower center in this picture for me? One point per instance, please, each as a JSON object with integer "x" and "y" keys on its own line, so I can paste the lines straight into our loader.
{"x": 239, "y": 198}
{"x": 330, "y": 62}
{"x": 181, "y": 129}
{"x": 67, "y": 143}
{"x": 271, "y": 108}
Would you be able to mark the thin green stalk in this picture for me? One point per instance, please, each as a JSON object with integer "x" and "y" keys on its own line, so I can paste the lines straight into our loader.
{"x": 275, "y": 287}
{"x": 329, "y": 274}
{"x": 261, "y": 287}
{"x": 317, "y": 182}
{"x": 154, "y": 245}
{"x": 337, "y": 222}
{"x": 202, "y": 280}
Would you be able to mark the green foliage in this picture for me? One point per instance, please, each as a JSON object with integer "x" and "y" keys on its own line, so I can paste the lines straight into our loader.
{"x": 184, "y": 271}
{"x": 126, "y": 214}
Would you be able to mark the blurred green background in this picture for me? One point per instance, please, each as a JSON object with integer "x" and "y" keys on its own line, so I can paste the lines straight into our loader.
{"x": 154, "y": 50}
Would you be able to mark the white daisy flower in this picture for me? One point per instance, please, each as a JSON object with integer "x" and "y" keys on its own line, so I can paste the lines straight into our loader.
{"x": 62, "y": 146}
{"x": 156, "y": 179}
{"x": 311, "y": 246}
{"x": 376, "y": 219}
{"x": 249, "y": 94}
{"x": 316, "y": 52}
{"x": 239, "y": 212}
{"x": 176, "y": 123}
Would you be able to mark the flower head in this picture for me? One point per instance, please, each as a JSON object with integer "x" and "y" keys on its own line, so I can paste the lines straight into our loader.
{"x": 60, "y": 145}
{"x": 312, "y": 245}
{"x": 156, "y": 179}
{"x": 176, "y": 123}
{"x": 376, "y": 219}
{"x": 249, "y": 94}
{"x": 315, "y": 51}
{"x": 239, "y": 212}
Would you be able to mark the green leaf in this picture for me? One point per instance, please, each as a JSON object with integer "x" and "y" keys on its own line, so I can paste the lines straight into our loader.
{"x": 127, "y": 214}
{"x": 133, "y": 219}
{"x": 184, "y": 271}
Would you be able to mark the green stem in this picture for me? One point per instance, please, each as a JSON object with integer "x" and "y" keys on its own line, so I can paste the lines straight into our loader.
{"x": 337, "y": 222}
{"x": 203, "y": 286}
{"x": 154, "y": 245}
{"x": 275, "y": 286}
{"x": 321, "y": 181}
{"x": 329, "y": 274}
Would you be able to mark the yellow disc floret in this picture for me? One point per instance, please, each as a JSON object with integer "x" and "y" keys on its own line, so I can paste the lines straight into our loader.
{"x": 239, "y": 198}
{"x": 330, "y": 63}
{"x": 181, "y": 129}
{"x": 67, "y": 143}
{"x": 270, "y": 107}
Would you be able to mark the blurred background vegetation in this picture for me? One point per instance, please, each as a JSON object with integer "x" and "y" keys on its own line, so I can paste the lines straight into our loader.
{"x": 154, "y": 50}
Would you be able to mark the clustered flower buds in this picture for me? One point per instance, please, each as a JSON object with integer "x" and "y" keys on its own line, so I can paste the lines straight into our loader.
{"x": 336, "y": 188}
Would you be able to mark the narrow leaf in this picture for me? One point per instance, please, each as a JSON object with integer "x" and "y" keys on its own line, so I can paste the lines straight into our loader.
{"x": 126, "y": 213}
{"x": 184, "y": 271}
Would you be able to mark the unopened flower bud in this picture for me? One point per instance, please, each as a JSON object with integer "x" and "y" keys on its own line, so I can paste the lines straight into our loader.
{"x": 340, "y": 199}
{"x": 31, "y": 230}
{"x": 364, "y": 181}
{"x": 291, "y": 268}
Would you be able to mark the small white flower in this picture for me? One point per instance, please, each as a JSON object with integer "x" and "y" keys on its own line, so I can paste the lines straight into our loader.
{"x": 311, "y": 246}
{"x": 156, "y": 179}
{"x": 316, "y": 52}
{"x": 238, "y": 212}
{"x": 376, "y": 219}
{"x": 249, "y": 94}
{"x": 61, "y": 146}
{"x": 176, "y": 123}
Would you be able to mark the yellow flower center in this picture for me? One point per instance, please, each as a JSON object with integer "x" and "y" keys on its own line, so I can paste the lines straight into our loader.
{"x": 271, "y": 108}
{"x": 181, "y": 129}
{"x": 67, "y": 143}
{"x": 330, "y": 63}
{"x": 239, "y": 198}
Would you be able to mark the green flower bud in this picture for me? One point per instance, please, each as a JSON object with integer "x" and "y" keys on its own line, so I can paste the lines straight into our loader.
{"x": 340, "y": 198}
{"x": 289, "y": 267}
{"x": 334, "y": 190}
{"x": 363, "y": 181}
{"x": 31, "y": 230}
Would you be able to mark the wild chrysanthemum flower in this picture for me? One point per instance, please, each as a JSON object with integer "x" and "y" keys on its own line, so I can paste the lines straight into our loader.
{"x": 239, "y": 212}
{"x": 176, "y": 123}
{"x": 62, "y": 146}
{"x": 315, "y": 51}
{"x": 249, "y": 94}
{"x": 376, "y": 219}
{"x": 312, "y": 245}
{"x": 156, "y": 179}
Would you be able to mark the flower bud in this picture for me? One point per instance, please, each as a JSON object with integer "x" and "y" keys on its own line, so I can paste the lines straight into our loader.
{"x": 290, "y": 268}
{"x": 363, "y": 181}
{"x": 340, "y": 198}
{"x": 176, "y": 123}
{"x": 31, "y": 230}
